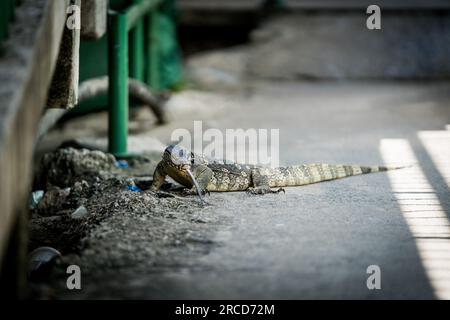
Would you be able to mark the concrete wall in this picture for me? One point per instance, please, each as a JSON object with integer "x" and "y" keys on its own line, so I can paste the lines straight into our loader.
{"x": 26, "y": 66}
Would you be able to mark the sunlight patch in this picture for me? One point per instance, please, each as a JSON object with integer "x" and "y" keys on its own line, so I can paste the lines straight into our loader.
{"x": 421, "y": 207}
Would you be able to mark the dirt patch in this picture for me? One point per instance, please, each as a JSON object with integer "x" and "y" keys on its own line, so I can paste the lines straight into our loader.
{"x": 121, "y": 227}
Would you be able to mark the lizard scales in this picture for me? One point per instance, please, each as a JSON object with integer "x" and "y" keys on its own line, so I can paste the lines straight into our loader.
{"x": 217, "y": 176}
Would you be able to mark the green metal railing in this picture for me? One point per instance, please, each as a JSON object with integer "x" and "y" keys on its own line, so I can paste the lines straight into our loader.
{"x": 7, "y": 8}
{"x": 132, "y": 52}
{"x": 273, "y": 4}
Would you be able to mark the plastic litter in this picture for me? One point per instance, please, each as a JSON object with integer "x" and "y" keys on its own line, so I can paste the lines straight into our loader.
{"x": 122, "y": 164}
{"x": 35, "y": 198}
{"x": 81, "y": 212}
{"x": 40, "y": 262}
{"x": 134, "y": 188}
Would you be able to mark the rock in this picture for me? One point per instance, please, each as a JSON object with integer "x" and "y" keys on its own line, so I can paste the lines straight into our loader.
{"x": 64, "y": 167}
{"x": 52, "y": 201}
{"x": 80, "y": 213}
{"x": 79, "y": 186}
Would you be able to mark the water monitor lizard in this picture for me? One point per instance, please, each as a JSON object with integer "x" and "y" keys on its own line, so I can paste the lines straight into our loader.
{"x": 203, "y": 175}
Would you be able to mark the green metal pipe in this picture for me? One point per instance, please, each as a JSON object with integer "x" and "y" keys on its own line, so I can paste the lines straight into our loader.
{"x": 136, "y": 37}
{"x": 139, "y": 9}
{"x": 152, "y": 71}
{"x": 8, "y": 10}
{"x": 4, "y": 19}
{"x": 12, "y": 9}
{"x": 274, "y": 4}
{"x": 118, "y": 88}
{"x": 137, "y": 51}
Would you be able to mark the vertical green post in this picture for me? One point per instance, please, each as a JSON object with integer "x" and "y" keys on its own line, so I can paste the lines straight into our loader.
{"x": 152, "y": 77}
{"x": 137, "y": 49}
{"x": 273, "y": 4}
{"x": 4, "y": 19}
{"x": 7, "y": 10}
{"x": 118, "y": 83}
{"x": 12, "y": 9}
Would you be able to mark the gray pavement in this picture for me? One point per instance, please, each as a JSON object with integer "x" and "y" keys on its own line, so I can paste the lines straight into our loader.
{"x": 317, "y": 241}
{"x": 314, "y": 241}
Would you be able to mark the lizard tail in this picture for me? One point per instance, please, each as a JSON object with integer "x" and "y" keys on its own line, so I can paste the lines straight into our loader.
{"x": 319, "y": 172}
{"x": 365, "y": 169}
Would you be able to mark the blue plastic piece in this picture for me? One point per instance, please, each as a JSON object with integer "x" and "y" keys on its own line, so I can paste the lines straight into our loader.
{"x": 122, "y": 164}
{"x": 134, "y": 188}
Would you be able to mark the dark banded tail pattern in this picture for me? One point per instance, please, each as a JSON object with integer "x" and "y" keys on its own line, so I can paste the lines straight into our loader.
{"x": 316, "y": 172}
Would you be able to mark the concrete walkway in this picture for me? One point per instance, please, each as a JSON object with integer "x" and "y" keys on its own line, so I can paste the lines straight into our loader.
{"x": 317, "y": 241}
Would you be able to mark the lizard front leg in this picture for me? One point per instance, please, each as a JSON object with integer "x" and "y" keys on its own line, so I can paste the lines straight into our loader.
{"x": 159, "y": 177}
{"x": 261, "y": 183}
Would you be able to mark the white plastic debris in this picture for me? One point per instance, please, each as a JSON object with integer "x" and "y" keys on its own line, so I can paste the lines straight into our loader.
{"x": 36, "y": 196}
{"x": 81, "y": 212}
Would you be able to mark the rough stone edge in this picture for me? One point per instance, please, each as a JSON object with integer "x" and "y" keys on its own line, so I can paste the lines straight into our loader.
{"x": 23, "y": 100}
{"x": 63, "y": 92}
{"x": 93, "y": 19}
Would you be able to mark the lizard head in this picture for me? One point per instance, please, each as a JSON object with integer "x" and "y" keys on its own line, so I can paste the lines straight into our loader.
{"x": 179, "y": 160}
{"x": 178, "y": 157}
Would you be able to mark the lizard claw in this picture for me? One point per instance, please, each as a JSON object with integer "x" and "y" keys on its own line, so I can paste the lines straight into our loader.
{"x": 192, "y": 192}
{"x": 262, "y": 191}
{"x": 279, "y": 190}
{"x": 186, "y": 192}
{"x": 163, "y": 194}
